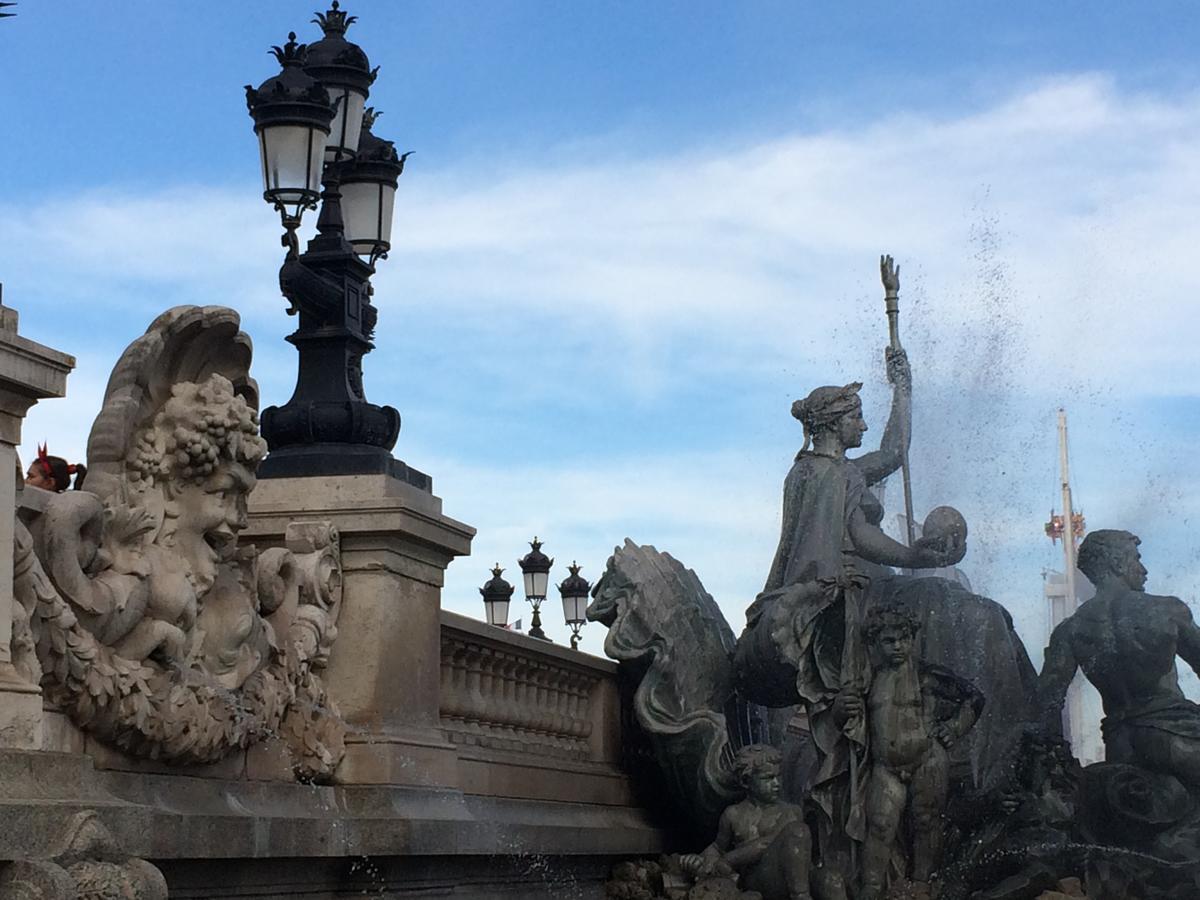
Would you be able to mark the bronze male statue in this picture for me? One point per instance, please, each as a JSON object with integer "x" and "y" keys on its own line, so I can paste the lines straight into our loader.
{"x": 1126, "y": 641}
{"x": 914, "y": 711}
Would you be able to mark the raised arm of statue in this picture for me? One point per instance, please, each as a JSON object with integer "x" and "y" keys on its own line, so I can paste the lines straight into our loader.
{"x": 897, "y": 434}
{"x": 1058, "y": 670}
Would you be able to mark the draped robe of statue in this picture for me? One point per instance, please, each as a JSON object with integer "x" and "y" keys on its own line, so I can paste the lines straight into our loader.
{"x": 795, "y": 647}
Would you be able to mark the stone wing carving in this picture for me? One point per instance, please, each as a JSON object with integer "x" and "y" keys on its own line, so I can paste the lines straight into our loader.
{"x": 152, "y": 627}
{"x": 669, "y": 633}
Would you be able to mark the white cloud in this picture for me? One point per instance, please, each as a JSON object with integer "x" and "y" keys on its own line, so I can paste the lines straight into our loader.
{"x": 1046, "y": 246}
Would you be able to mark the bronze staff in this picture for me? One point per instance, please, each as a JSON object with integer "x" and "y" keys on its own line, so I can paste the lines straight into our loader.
{"x": 890, "y": 274}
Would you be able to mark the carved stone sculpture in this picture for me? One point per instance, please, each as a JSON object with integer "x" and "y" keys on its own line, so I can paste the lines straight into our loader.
{"x": 83, "y": 861}
{"x": 152, "y": 628}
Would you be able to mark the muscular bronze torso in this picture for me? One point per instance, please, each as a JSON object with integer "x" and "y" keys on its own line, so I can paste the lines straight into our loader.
{"x": 1126, "y": 646}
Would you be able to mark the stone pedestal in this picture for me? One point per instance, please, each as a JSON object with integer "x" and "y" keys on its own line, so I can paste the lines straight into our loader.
{"x": 384, "y": 671}
{"x": 28, "y": 372}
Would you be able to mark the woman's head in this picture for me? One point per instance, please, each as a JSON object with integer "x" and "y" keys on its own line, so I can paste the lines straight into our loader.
{"x": 53, "y": 473}
{"x": 832, "y": 410}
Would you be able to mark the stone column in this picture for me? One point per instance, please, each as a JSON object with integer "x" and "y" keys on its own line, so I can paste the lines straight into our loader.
{"x": 384, "y": 671}
{"x": 28, "y": 372}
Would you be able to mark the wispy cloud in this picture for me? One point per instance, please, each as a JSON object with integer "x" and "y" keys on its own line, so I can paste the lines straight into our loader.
{"x": 1046, "y": 246}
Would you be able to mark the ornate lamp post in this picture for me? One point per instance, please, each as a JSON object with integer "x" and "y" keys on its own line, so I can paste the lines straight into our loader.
{"x": 574, "y": 591}
{"x": 535, "y": 567}
{"x": 496, "y": 596}
{"x": 309, "y": 121}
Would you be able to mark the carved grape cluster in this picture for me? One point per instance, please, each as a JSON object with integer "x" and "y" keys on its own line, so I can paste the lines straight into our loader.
{"x": 198, "y": 428}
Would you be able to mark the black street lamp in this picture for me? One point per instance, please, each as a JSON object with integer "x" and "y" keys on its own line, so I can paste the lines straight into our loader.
{"x": 291, "y": 113}
{"x": 574, "y": 591}
{"x": 343, "y": 69}
{"x": 535, "y": 567}
{"x": 496, "y": 596}
{"x": 309, "y": 121}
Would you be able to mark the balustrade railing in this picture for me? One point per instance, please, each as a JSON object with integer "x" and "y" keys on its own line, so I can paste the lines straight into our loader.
{"x": 505, "y": 692}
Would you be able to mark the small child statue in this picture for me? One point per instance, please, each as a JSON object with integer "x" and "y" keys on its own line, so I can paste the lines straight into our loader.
{"x": 914, "y": 712}
{"x": 763, "y": 838}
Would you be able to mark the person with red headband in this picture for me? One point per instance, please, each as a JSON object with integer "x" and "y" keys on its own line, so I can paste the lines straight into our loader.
{"x": 53, "y": 473}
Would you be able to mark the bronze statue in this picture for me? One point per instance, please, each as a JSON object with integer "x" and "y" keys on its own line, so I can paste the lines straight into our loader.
{"x": 913, "y": 712}
{"x": 1126, "y": 641}
{"x": 764, "y": 839}
{"x": 792, "y": 650}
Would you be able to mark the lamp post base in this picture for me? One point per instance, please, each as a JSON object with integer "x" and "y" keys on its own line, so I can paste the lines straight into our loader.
{"x": 535, "y": 626}
{"x": 309, "y": 460}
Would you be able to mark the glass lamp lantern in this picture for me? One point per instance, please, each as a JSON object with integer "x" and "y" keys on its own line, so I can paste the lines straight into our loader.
{"x": 291, "y": 114}
{"x": 496, "y": 596}
{"x": 574, "y": 591}
{"x": 368, "y": 186}
{"x": 343, "y": 69}
{"x": 535, "y": 569}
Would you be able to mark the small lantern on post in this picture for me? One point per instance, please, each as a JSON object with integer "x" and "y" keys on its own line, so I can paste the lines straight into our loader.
{"x": 292, "y": 114}
{"x": 496, "y": 596}
{"x": 574, "y": 591}
{"x": 342, "y": 67}
{"x": 535, "y": 567}
{"x": 368, "y": 184}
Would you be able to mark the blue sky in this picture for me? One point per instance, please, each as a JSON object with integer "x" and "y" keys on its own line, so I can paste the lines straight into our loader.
{"x": 632, "y": 233}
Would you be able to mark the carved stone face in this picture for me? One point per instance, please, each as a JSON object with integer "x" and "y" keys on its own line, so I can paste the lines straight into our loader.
{"x": 851, "y": 428}
{"x": 209, "y": 516}
{"x": 894, "y": 644}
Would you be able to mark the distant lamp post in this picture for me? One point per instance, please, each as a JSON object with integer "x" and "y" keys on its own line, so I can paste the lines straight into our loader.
{"x": 535, "y": 567}
{"x": 309, "y": 120}
{"x": 496, "y": 596}
{"x": 574, "y": 591}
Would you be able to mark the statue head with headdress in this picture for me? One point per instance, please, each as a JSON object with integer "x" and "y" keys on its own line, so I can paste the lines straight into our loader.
{"x": 832, "y": 409}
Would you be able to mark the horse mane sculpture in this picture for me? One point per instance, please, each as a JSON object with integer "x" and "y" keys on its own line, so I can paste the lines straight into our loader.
{"x": 671, "y": 635}
{"x": 140, "y": 615}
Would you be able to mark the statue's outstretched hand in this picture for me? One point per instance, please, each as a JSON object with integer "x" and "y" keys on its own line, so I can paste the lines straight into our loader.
{"x": 889, "y": 273}
{"x": 898, "y": 371}
{"x": 940, "y": 551}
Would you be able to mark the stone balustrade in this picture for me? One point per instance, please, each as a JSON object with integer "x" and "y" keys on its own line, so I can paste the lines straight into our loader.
{"x": 506, "y": 691}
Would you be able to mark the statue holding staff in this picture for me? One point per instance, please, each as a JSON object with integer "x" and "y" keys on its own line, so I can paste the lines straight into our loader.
{"x": 801, "y": 643}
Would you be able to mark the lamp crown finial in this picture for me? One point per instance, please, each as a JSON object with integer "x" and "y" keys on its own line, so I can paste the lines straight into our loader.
{"x": 291, "y": 53}
{"x": 334, "y": 20}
